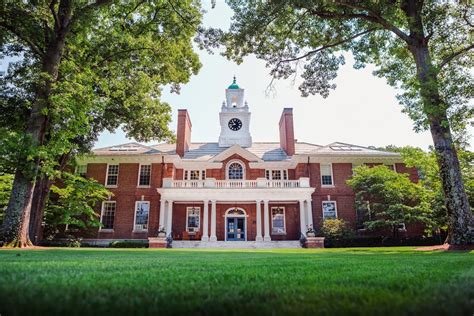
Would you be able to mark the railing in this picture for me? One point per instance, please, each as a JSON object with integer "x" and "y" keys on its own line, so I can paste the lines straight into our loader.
{"x": 236, "y": 184}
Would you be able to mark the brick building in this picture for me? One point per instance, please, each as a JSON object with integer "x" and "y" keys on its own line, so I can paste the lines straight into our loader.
{"x": 231, "y": 190}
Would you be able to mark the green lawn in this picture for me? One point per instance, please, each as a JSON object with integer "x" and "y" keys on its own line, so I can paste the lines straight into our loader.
{"x": 382, "y": 281}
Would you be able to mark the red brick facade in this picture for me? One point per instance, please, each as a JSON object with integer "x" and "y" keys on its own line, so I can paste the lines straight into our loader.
{"x": 288, "y": 175}
{"x": 127, "y": 193}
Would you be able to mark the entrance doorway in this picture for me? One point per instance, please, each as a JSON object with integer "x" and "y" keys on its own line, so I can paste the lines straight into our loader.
{"x": 235, "y": 225}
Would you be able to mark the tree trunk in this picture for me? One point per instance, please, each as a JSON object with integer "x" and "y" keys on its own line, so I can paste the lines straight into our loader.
{"x": 40, "y": 197}
{"x": 15, "y": 227}
{"x": 16, "y": 220}
{"x": 460, "y": 221}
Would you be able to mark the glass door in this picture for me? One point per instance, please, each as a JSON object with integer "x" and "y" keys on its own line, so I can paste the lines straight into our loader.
{"x": 235, "y": 229}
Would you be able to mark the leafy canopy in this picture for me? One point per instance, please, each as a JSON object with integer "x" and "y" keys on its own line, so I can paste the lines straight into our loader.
{"x": 388, "y": 198}
{"x": 308, "y": 39}
{"x": 117, "y": 57}
{"x": 72, "y": 204}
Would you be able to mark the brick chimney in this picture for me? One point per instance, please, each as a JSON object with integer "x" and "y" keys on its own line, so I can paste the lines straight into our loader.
{"x": 287, "y": 133}
{"x": 183, "y": 133}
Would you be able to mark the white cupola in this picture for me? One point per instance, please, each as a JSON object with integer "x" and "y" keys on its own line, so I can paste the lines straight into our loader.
{"x": 235, "y": 118}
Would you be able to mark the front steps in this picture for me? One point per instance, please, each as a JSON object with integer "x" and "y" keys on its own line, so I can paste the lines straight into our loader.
{"x": 236, "y": 244}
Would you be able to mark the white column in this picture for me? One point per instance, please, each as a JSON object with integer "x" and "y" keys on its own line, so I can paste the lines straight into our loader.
{"x": 266, "y": 221}
{"x": 259, "y": 221}
{"x": 169, "y": 219}
{"x": 309, "y": 212}
{"x": 205, "y": 223}
{"x": 213, "y": 221}
{"x": 302, "y": 218}
{"x": 161, "y": 223}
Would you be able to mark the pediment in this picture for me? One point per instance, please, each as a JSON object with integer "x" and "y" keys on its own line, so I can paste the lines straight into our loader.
{"x": 236, "y": 150}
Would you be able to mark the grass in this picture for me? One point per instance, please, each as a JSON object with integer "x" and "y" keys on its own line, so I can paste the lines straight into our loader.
{"x": 387, "y": 281}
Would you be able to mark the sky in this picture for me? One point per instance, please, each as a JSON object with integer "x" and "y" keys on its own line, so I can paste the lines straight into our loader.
{"x": 362, "y": 110}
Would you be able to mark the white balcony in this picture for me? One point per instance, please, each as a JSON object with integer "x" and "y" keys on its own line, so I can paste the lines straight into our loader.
{"x": 260, "y": 183}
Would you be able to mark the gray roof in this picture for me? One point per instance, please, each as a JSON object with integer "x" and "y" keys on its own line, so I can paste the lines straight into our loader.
{"x": 267, "y": 151}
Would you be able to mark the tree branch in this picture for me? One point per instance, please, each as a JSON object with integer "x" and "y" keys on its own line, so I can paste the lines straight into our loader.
{"x": 35, "y": 48}
{"x": 55, "y": 15}
{"x": 377, "y": 18}
{"x": 328, "y": 46}
{"x": 88, "y": 8}
{"x": 447, "y": 59}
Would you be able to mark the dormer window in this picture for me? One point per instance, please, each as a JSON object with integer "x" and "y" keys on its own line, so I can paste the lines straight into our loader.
{"x": 235, "y": 171}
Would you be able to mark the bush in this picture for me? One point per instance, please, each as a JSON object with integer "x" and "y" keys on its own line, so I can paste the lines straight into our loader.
{"x": 128, "y": 244}
{"x": 336, "y": 229}
{"x": 379, "y": 241}
{"x": 71, "y": 243}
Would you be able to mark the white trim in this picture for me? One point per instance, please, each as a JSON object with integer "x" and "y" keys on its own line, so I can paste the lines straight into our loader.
{"x": 139, "y": 172}
{"x": 226, "y": 214}
{"x": 102, "y": 214}
{"x": 76, "y": 171}
{"x": 198, "y": 208}
{"x": 235, "y": 149}
{"x": 284, "y": 220}
{"x": 329, "y": 201}
{"x": 282, "y": 173}
{"x": 321, "y": 176}
{"x": 201, "y": 172}
{"x": 135, "y": 217}
{"x": 107, "y": 175}
{"x": 244, "y": 171}
{"x": 394, "y": 166}
{"x": 233, "y": 195}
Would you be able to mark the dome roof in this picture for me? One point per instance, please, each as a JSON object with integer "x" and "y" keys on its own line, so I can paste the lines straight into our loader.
{"x": 234, "y": 84}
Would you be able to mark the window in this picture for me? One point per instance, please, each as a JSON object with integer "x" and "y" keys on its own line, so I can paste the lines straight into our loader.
{"x": 81, "y": 170}
{"x": 108, "y": 214}
{"x": 401, "y": 227}
{"x": 391, "y": 167}
{"x": 326, "y": 174}
{"x": 278, "y": 220}
{"x": 112, "y": 175}
{"x": 276, "y": 174}
{"x": 194, "y": 174}
{"x": 192, "y": 223}
{"x": 142, "y": 209}
{"x": 144, "y": 176}
{"x": 329, "y": 210}
{"x": 235, "y": 171}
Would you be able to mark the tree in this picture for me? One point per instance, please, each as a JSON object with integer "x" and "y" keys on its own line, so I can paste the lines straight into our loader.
{"x": 73, "y": 203}
{"x": 5, "y": 189}
{"x": 389, "y": 199}
{"x": 424, "y": 48}
{"x": 85, "y": 66}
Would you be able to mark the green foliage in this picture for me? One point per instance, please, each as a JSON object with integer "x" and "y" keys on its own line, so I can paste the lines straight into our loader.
{"x": 72, "y": 205}
{"x": 336, "y": 229}
{"x": 390, "y": 199}
{"x": 309, "y": 38}
{"x": 357, "y": 281}
{"x": 6, "y": 181}
{"x": 117, "y": 57}
{"x": 128, "y": 244}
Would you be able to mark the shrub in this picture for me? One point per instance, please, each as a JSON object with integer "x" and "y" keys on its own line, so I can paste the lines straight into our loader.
{"x": 128, "y": 244}
{"x": 336, "y": 229}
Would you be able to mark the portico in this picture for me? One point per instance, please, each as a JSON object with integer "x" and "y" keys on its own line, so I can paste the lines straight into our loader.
{"x": 250, "y": 197}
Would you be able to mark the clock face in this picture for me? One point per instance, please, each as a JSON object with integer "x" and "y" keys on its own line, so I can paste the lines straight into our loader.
{"x": 235, "y": 124}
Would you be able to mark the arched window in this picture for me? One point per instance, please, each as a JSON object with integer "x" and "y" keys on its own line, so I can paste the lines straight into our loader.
{"x": 235, "y": 171}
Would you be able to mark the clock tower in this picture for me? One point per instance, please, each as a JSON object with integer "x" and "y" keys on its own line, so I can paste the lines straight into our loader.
{"x": 235, "y": 118}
